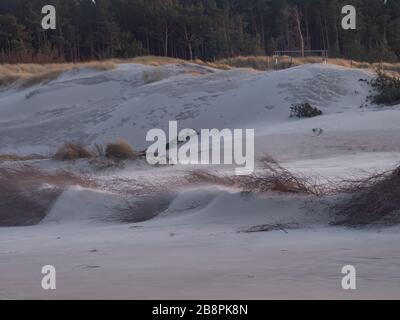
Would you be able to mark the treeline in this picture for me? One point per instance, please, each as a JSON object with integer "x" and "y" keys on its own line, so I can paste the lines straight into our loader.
{"x": 189, "y": 29}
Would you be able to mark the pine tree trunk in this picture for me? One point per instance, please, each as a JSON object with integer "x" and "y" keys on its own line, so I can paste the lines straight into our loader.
{"x": 166, "y": 41}
{"x": 300, "y": 33}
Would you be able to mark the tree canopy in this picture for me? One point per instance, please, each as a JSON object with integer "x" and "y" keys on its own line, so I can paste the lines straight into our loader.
{"x": 189, "y": 29}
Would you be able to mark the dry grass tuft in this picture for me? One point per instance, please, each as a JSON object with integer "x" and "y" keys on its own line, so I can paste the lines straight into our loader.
{"x": 120, "y": 150}
{"x": 73, "y": 151}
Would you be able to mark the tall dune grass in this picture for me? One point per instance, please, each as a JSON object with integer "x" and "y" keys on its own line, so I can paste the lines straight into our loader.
{"x": 268, "y": 62}
{"x": 151, "y": 60}
{"x": 30, "y": 74}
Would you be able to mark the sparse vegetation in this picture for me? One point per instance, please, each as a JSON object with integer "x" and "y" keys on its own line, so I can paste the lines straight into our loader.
{"x": 29, "y": 74}
{"x": 264, "y": 63}
{"x": 272, "y": 227}
{"x": 34, "y": 189}
{"x": 151, "y": 60}
{"x": 304, "y": 110}
{"x": 152, "y": 76}
{"x": 357, "y": 202}
{"x": 273, "y": 177}
{"x": 73, "y": 151}
{"x": 375, "y": 199}
{"x": 120, "y": 150}
{"x": 32, "y": 74}
{"x": 15, "y": 157}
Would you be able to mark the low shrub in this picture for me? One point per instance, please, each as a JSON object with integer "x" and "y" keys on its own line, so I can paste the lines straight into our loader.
{"x": 304, "y": 110}
{"x": 386, "y": 89}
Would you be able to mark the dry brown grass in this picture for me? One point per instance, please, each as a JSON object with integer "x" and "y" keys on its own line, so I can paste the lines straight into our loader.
{"x": 15, "y": 157}
{"x": 271, "y": 227}
{"x": 73, "y": 151}
{"x": 27, "y": 194}
{"x": 371, "y": 200}
{"x": 268, "y": 62}
{"x": 272, "y": 178}
{"x": 254, "y": 62}
{"x": 154, "y": 61}
{"x": 40, "y": 78}
{"x": 217, "y": 65}
{"x": 32, "y": 74}
{"x": 120, "y": 150}
{"x": 391, "y": 69}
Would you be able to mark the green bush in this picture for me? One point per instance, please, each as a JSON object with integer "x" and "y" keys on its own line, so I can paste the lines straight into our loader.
{"x": 386, "y": 89}
{"x": 304, "y": 110}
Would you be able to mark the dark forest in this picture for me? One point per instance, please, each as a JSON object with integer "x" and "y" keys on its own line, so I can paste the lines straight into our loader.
{"x": 196, "y": 29}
